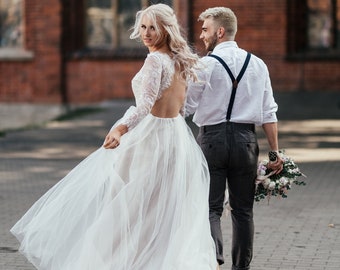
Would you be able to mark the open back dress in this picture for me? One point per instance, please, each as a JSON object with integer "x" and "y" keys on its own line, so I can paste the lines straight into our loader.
{"x": 140, "y": 206}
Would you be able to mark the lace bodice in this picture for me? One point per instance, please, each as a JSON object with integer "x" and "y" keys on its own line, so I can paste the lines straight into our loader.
{"x": 148, "y": 84}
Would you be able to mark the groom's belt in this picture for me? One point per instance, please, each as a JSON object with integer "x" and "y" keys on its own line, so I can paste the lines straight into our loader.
{"x": 229, "y": 126}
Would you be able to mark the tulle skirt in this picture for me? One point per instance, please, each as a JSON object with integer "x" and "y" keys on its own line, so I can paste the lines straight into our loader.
{"x": 141, "y": 206}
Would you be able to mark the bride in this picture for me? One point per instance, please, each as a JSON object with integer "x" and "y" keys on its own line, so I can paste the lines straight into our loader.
{"x": 141, "y": 200}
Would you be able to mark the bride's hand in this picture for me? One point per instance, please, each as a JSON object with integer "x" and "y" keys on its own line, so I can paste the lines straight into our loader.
{"x": 112, "y": 139}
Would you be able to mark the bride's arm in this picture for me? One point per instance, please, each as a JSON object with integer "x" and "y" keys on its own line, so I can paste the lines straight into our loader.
{"x": 112, "y": 139}
{"x": 151, "y": 72}
{"x": 151, "y": 81}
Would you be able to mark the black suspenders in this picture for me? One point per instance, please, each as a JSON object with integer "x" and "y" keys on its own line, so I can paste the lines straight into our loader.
{"x": 235, "y": 82}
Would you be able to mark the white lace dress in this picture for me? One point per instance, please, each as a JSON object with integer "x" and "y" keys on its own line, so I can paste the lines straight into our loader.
{"x": 141, "y": 206}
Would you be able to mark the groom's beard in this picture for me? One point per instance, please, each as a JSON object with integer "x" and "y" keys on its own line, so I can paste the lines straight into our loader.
{"x": 211, "y": 44}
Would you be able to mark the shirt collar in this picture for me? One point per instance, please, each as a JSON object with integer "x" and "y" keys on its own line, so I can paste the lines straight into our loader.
{"x": 224, "y": 45}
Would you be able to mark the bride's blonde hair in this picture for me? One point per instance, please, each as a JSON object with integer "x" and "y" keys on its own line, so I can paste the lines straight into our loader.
{"x": 164, "y": 20}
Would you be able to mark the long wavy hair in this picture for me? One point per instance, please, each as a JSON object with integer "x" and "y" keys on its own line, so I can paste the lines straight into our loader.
{"x": 166, "y": 26}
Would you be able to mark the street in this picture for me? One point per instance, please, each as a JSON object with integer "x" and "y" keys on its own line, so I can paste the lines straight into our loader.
{"x": 299, "y": 232}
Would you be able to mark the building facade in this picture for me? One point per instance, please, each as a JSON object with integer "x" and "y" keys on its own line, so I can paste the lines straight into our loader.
{"x": 68, "y": 51}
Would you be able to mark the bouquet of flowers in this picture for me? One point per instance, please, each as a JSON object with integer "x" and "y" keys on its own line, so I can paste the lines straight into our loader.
{"x": 270, "y": 184}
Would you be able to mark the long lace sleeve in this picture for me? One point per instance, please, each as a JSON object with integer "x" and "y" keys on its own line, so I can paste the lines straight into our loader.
{"x": 147, "y": 91}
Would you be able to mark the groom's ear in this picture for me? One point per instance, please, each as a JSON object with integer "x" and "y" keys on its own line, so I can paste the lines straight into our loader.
{"x": 220, "y": 32}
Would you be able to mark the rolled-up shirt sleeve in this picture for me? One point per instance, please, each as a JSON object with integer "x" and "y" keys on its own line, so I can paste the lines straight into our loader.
{"x": 270, "y": 107}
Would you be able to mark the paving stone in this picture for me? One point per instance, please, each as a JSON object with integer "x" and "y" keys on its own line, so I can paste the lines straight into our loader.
{"x": 300, "y": 232}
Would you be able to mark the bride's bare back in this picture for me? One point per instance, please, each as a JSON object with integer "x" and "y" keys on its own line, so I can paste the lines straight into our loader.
{"x": 172, "y": 99}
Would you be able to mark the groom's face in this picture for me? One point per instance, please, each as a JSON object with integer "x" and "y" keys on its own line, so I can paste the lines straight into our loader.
{"x": 209, "y": 34}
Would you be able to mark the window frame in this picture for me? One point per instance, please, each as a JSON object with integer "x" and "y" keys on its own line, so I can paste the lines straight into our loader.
{"x": 297, "y": 34}
{"x": 74, "y": 41}
{"x": 18, "y": 53}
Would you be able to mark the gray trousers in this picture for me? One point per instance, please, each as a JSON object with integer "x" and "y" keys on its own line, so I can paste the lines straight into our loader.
{"x": 231, "y": 150}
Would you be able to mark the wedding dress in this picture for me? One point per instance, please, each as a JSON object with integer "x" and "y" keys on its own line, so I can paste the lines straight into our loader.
{"x": 140, "y": 206}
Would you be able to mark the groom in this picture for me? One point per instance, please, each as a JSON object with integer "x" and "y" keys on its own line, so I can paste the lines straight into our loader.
{"x": 226, "y": 123}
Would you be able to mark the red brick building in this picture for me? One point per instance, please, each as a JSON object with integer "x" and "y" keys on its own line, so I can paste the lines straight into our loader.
{"x": 68, "y": 51}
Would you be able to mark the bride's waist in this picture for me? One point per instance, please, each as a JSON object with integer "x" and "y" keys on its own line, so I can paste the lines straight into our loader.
{"x": 165, "y": 116}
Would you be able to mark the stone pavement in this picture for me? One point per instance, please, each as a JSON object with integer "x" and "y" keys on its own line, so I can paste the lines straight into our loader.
{"x": 300, "y": 232}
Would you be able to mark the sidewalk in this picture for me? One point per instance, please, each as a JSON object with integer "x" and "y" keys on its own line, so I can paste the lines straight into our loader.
{"x": 300, "y": 232}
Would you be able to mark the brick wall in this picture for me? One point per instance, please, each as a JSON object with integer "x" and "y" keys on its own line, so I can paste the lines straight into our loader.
{"x": 36, "y": 79}
{"x": 262, "y": 31}
{"x": 100, "y": 80}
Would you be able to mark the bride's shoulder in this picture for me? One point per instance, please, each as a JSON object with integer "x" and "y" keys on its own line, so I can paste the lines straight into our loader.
{"x": 158, "y": 60}
{"x": 159, "y": 55}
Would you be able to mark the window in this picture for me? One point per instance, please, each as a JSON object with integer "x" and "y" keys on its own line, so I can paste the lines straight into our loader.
{"x": 108, "y": 22}
{"x": 11, "y": 24}
{"x": 314, "y": 28}
{"x": 320, "y": 24}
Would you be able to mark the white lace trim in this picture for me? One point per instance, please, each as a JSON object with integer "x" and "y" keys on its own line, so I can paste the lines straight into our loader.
{"x": 148, "y": 85}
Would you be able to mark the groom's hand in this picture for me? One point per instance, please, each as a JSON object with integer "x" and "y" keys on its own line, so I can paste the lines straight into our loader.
{"x": 277, "y": 165}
